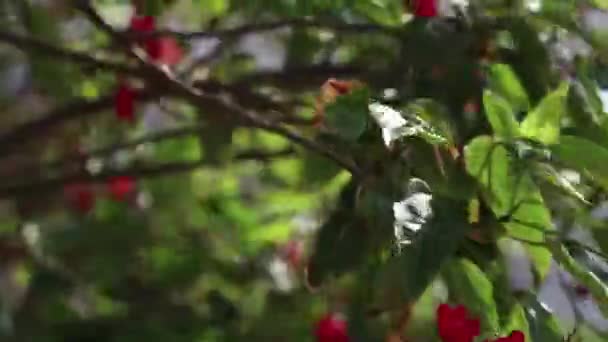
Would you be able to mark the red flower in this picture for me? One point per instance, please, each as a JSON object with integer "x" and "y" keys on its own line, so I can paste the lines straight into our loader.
{"x": 121, "y": 187}
{"x": 331, "y": 328}
{"x": 80, "y": 196}
{"x": 160, "y": 49}
{"x": 143, "y": 23}
{"x": 124, "y": 103}
{"x": 425, "y": 8}
{"x": 454, "y": 325}
{"x": 516, "y": 336}
{"x": 146, "y": 24}
{"x": 169, "y": 51}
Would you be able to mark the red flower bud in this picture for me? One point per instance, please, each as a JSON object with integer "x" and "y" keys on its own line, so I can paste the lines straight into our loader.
{"x": 124, "y": 103}
{"x": 292, "y": 252}
{"x": 581, "y": 290}
{"x": 80, "y": 196}
{"x": 121, "y": 187}
{"x": 425, "y": 8}
{"x": 454, "y": 324}
{"x": 331, "y": 328}
{"x": 142, "y": 23}
{"x": 471, "y": 106}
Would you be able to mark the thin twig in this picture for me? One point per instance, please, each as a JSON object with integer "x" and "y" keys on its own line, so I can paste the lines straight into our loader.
{"x": 157, "y": 137}
{"x": 335, "y": 25}
{"x": 151, "y": 138}
{"x": 50, "y": 184}
{"x": 296, "y": 77}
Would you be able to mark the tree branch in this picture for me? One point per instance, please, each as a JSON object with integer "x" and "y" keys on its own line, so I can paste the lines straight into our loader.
{"x": 252, "y": 118}
{"x": 73, "y": 110}
{"x": 32, "y": 44}
{"x": 219, "y": 103}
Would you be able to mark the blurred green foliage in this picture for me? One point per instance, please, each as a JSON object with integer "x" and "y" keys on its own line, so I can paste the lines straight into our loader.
{"x": 241, "y": 234}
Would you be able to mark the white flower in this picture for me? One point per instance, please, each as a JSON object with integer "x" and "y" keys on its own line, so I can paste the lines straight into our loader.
{"x": 390, "y": 120}
{"x": 604, "y": 97}
{"x": 410, "y": 214}
{"x": 279, "y": 271}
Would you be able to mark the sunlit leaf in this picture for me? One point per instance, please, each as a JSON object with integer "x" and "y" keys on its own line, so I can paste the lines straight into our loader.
{"x": 543, "y": 123}
{"x": 511, "y": 193}
{"x": 500, "y": 115}
{"x": 504, "y": 82}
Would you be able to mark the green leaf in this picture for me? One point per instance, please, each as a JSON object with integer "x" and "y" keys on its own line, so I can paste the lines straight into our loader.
{"x": 587, "y": 77}
{"x": 435, "y": 117}
{"x": 459, "y": 185}
{"x": 153, "y": 7}
{"x": 530, "y": 60}
{"x": 341, "y": 243}
{"x": 433, "y": 245}
{"x": 500, "y": 115}
{"x": 510, "y": 191}
{"x": 584, "y": 156}
{"x": 585, "y": 113}
{"x": 603, "y": 4}
{"x": 549, "y": 174}
{"x": 518, "y": 321}
{"x": 349, "y": 114}
{"x": 543, "y": 122}
{"x": 316, "y": 170}
{"x": 469, "y": 285}
{"x": 504, "y": 81}
{"x": 214, "y": 7}
{"x": 543, "y": 325}
{"x": 596, "y": 286}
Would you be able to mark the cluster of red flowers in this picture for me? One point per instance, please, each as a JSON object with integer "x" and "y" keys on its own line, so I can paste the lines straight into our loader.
{"x": 160, "y": 49}
{"x": 455, "y": 325}
{"x": 81, "y": 196}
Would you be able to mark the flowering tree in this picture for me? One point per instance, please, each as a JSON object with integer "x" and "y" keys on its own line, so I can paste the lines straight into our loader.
{"x": 274, "y": 170}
